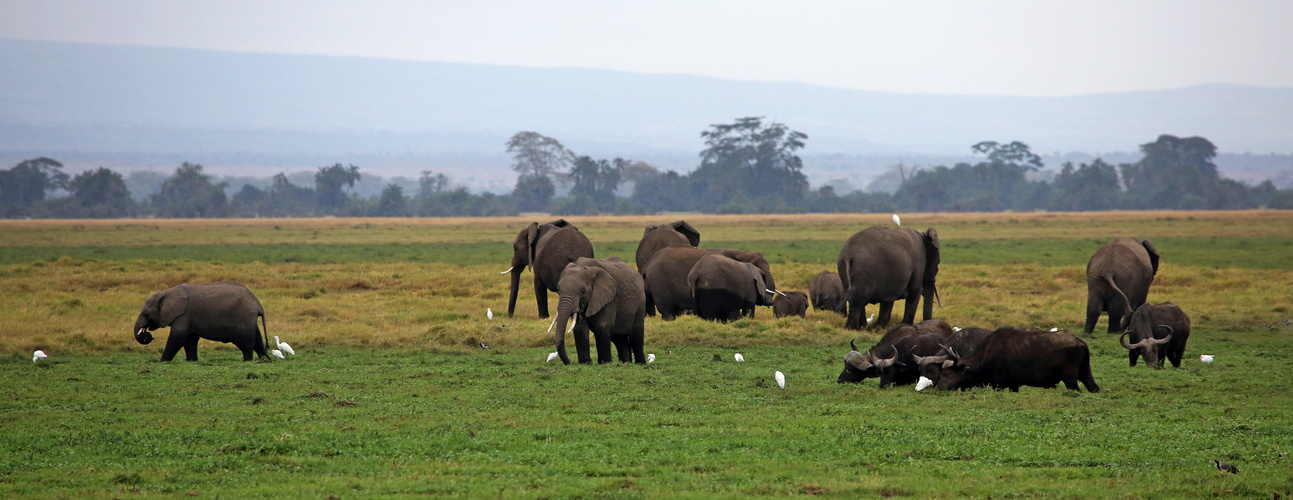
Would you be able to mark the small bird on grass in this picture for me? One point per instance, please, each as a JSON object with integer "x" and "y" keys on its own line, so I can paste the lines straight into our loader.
{"x": 1225, "y": 467}
{"x": 489, "y": 313}
{"x": 283, "y": 345}
{"x": 870, "y": 319}
{"x": 277, "y": 354}
{"x": 781, "y": 379}
{"x": 38, "y": 355}
{"x": 1055, "y": 329}
{"x": 1205, "y": 358}
{"x": 1270, "y": 327}
{"x": 484, "y": 346}
{"x": 923, "y": 383}
{"x": 551, "y": 356}
{"x": 650, "y": 358}
{"x": 739, "y": 358}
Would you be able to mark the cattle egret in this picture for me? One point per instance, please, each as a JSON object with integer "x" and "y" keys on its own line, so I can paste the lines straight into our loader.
{"x": 1226, "y": 467}
{"x": 1270, "y": 327}
{"x": 489, "y": 313}
{"x": 277, "y": 354}
{"x": 923, "y": 383}
{"x": 870, "y": 319}
{"x": 1055, "y": 329}
{"x": 781, "y": 379}
{"x": 484, "y": 345}
{"x": 551, "y": 356}
{"x": 1286, "y": 321}
{"x": 896, "y": 220}
{"x": 38, "y": 355}
{"x": 739, "y": 358}
{"x": 283, "y": 345}
{"x": 956, "y": 329}
{"x": 507, "y": 271}
{"x": 1205, "y": 358}
{"x": 650, "y": 358}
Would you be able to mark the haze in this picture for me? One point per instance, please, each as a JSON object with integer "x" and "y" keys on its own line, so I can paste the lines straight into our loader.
{"x": 1020, "y": 48}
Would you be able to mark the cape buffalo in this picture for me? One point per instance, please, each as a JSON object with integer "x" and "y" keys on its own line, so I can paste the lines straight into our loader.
{"x": 963, "y": 342}
{"x": 1156, "y": 332}
{"x": 1014, "y": 357}
{"x": 858, "y": 366}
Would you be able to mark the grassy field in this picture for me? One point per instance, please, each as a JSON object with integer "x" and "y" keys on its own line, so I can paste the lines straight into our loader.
{"x": 391, "y": 395}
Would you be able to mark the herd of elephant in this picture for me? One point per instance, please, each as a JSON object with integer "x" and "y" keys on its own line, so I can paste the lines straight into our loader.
{"x": 610, "y": 300}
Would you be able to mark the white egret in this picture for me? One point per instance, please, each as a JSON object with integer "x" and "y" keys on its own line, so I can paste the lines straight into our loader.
{"x": 781, "y": 379}
{"x": 1055, "y": 329}
{"x": 277, "y": 354}
{"x": 739, "y": 358}
{"x": 869, "y": 320}
{"x": 38, "y": 355}
{"x": 1205, "y": 358}
{"x": 896, "y": 220}
{"x": 489, "y": 313}
{"x": 551, "y": 356}
{"x": 650, "y": 358}
{"x": 507, "y": 271}
{"x": 923, "y": 383}
{"x": 283, "y": 345}
{"x": 956, "y": 329}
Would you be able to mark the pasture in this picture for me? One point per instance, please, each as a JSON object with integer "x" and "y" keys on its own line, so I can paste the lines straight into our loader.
{"x": 391, "y": 394}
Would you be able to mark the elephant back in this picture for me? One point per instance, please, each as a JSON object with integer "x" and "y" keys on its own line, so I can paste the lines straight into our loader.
{"x": 877, "y": 255}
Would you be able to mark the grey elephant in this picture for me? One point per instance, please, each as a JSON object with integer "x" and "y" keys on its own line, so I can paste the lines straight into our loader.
{"x": 827, "y": 293}
{"x": 1157, "y": 332}
{"x": 880, "y": 265}
{"x": 605, "y": 297}
{"x": 1117, "y": 280}
{"x": 666, "y": 277}
{"x": 224, "y": 311}
{"x": 674, "y": 234}
{"x": 724, "y": 289}
{"x": 790, "y": 304}
{"x": 547, "y": 249}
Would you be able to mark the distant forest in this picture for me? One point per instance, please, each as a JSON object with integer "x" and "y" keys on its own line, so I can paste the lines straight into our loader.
{"x": 747, "y": 166}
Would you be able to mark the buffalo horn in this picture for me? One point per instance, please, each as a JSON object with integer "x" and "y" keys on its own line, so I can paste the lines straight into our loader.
{"x": 853, "y": 345}
{"x": 1166, "y": 339}
{"x": 1123, "y": 340}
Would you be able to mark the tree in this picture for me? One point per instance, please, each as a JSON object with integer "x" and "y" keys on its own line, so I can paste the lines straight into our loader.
{"x": 533, "y": 194}
{"x": 1175, "y": 173}
{"x": 99, "y": 193}
{"x": 190, "y": 193}
{"x": 287, "y": 199}
{"x": 250, "y": 201}
{"x": 537, "y": 155}
{"x": 750, "y": 158}
{"x": 26, "y": 183}
{"x": 392, "y": 202}
{"x": 1016, "y": 153}
{"x": 430, "y": 184}
{"x": 328, "y": 183}
{"x": 1086, "y": 188}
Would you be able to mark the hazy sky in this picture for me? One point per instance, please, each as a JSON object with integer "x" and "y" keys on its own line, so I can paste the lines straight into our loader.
{"x": 960, "y": 47}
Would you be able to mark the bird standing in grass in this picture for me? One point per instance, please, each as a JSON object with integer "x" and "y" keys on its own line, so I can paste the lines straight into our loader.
{"x": 551, "y": 356}
{"x": 277, "y": 354}
{"x": 489, "y": 313}
{"x": 781, "y": 379}
{"x": 38, "y": 355}
{"x": 650, "y": 358}
{"x": 739, "y": 358}
{"x": 1205, "y": 358}
{"x": 1225, "y": 467}
{"x": 284, "y": 347}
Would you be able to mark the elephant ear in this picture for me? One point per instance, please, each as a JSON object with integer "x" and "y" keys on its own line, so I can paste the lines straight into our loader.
{"x": 693, "y": 236}
{"x": 1153, "y": 255}
{"x": 531, "y": 233}
{"x": 601, "y": 291}
{"x": 759, "y": 283}
{"x": 172, "y": 304}
{"x": 932, "y": 253}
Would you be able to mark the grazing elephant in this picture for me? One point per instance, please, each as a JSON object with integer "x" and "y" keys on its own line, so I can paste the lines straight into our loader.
{"x": 606, "y": 297}
{"x": 827, "y": 292}
{"x": 884, "y": 264}
{"x": 674, "y": 234}
{"x": 1117, "y": 280}
{"x": 1157, "y": 332}
{"x": 724, "y": 289}
{"x": 666, "y": 277}
{"x": 547, "y": 248}
{"x": 224, "y": 311}
{"x": 790, "y": 304}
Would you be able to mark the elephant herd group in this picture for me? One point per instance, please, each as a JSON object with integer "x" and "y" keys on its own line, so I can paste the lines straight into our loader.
{"x": 610, "y": 300}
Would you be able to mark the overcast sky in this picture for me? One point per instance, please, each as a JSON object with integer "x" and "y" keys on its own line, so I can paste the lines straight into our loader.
{"x": 1031, "y": 47}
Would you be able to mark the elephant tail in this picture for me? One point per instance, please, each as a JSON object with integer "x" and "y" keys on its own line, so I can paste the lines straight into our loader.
{"x": 1109, "y": 279}
{"x": 264, "y": 330}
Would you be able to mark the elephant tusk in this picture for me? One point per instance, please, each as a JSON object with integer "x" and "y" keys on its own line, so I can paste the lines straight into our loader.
{"x": 508, "y": 270}
{"x": 572, "y": 325}
{"x": 554, "y": 323}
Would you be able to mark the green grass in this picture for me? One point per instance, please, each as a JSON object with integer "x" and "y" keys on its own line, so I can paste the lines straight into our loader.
{"x": 390, "y": 396}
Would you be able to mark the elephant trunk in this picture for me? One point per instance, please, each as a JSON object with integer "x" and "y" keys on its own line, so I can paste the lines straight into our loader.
{"x": 929, "y": 292}
{"x": 141, "y": 332}
{"x": 516, "y": 287}
{"x": 565, "y": 308}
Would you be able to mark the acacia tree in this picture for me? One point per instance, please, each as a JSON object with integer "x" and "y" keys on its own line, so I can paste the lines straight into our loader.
{"x": 26, "y": 183}
{"x": 1175, "y": 173}
{"x": 750, "y": 161}
{"x": 328, "y": 184}
{"x": 99, "y": 193}
{"x": 537, "y": 157}
{"x": 190, "y": 193}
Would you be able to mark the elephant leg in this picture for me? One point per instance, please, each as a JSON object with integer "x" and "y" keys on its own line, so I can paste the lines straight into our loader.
{"x": 191, "y": 348}
{"x": 603, "y": 347}
{"x": 909, "y": 307}
{"x": 173, "y": 344}
{"x": 259, "y": 346}
{"x": 541, "y": 296}
{"x": 650, "y": 304}
{"x": 1115, "y": 317}
{"x": 247, "y": 349}
{"x": 635, "y": 340}
{"x": 886, "y": 313}
{"x": 622, "y": 349}
{"x": 581, "y": 344}
{"x": 856, "y": 314}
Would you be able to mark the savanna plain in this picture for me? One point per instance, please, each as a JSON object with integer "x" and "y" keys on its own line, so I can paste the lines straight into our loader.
{"x": 390, "y": 393}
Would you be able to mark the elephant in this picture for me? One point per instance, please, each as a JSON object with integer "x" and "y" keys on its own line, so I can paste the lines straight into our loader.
{"x": 790, "y": 304}
{"x": 1117, "y": 280}
{"x": 224, "y": 311}
{"x": 673, "y": 234}
{"x": 547, "y": 248}
{"x": 666, "y": 277}
{"x": 606, "y": 297}
{"x": 827, "y": 292}
{"x": 725, "y": 289}
{"x": 1157, "y": 332}
{"x": 884, "y": 264}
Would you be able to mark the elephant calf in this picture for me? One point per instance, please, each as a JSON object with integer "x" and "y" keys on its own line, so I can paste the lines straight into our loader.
{"x": 724, "y": 289}
{"x": 223, "y": 311}
{"x": 827, "y": 292}
{"x": 605, "y": 297}
{"x": 790, "y": 304}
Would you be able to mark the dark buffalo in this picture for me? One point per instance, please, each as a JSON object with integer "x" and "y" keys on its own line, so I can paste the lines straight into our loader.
{"x": 903, "y": 369}
{"x": 962, "y": 343}
{"x": 1156, "y": 332}
{"x": 1014, "y": 357}
{"x": 858, "y": 366}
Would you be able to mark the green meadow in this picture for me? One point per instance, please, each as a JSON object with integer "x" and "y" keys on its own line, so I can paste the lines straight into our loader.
{"x": 391, "y": 395}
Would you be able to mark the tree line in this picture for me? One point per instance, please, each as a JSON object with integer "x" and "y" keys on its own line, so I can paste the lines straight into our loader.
{"x": 747, "y": 166}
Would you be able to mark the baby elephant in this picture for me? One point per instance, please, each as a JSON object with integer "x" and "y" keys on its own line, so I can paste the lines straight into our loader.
{"x": 790, "y": 303}
{"x": 224, "y": 311}
{"x": 605, "y": 297}
{"x": 1157, "y": 331}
